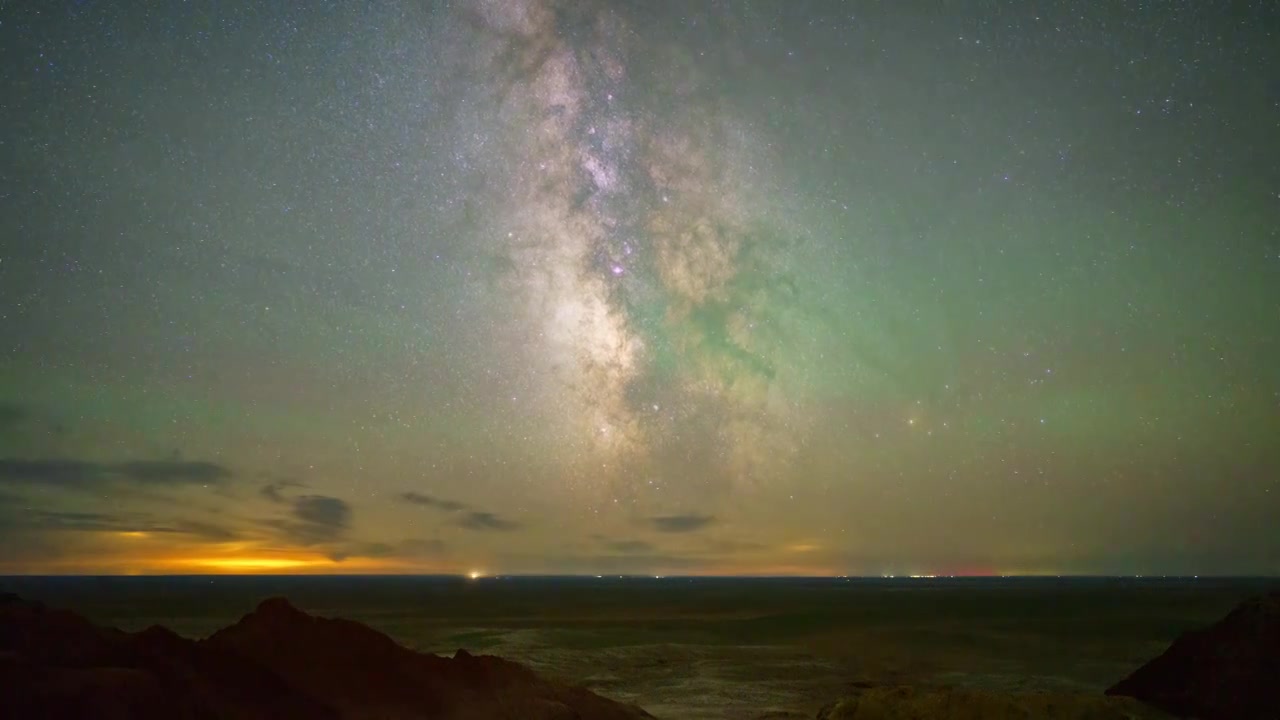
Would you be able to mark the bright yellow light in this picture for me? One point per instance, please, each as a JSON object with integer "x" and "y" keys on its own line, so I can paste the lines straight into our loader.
{"x": 474, "y": 574}
{"x": 133, "y": 534}
{"x": 252, "y": 563}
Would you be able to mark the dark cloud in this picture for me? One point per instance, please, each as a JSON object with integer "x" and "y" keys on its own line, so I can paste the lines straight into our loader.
{"x": 81, "y": 474}
{"x": 82, "y": 521}
{"x": 430, "y": 501}
{"x": 73, "y": 521}
{"x": 323, "y": 511}
{"x": 471, "y": 519}
{"x": 680, "y": 523}
{"x": 477, "y": 520}
{"x": 50, "y": 472}
{"x": 274, "y": 490}
{"x": 315, "y": 520}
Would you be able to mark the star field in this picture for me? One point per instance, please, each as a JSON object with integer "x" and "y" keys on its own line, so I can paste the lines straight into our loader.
{"x": 507, "y": 286}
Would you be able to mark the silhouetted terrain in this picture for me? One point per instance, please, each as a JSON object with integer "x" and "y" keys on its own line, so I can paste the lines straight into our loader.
{"x": 1227, "y": 671}
{"x": 681, "y": 648}
{"x": 56, "y": 664}
{"x": 277, "y": 662}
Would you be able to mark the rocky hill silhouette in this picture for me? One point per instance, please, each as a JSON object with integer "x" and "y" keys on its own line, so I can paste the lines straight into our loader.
{"x": 281, "y": 663}
{"x": 1227, "y": 671}
{"x": 277, "y": 662}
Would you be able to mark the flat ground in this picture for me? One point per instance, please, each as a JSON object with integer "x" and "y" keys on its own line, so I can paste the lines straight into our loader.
{"x": 702, "y": 648}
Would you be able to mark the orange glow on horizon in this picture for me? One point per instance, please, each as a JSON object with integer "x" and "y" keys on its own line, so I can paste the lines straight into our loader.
{"x": 272, "y": 563}
{"x": 140, "y": 552}
{"x": 230, "y": 564}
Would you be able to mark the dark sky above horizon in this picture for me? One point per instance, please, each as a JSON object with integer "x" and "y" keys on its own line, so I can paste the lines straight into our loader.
{"x": 644, "y": 287}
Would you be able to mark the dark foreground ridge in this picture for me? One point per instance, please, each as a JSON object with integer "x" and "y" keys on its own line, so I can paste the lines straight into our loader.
{"x": 281, "y": 663}
{"x": 1227, "y": 671}
{"x": 276, "y": 662}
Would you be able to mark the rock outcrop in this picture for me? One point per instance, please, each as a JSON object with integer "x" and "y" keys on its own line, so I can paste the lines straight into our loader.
{"x": 277, "y": 662}
{"x": 1227, "y": 671}
{"x": 360, "y": 671}
{"x": 56, "y": 664}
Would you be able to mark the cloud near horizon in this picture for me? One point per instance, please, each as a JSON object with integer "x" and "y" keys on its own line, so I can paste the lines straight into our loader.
{"x": 123, "y": 522}
{"x": 275, "y": 490}
{"x": 430, "y": 501}
{"x": 680, "y": 523}
{"x": 315, "y": 520}
{"x": 467, "y": 518}
{"x": 485, "y": 521}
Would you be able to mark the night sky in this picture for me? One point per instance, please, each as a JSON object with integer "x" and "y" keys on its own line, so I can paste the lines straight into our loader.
{"x": 527, "y": 286}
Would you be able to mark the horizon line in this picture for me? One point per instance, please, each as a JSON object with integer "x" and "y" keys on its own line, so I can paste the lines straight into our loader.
{"x": 475, "y": 577}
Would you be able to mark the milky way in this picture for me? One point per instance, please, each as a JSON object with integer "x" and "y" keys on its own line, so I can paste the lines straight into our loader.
{"x": 626, "y": 233}
{"x": 652, "y": 287}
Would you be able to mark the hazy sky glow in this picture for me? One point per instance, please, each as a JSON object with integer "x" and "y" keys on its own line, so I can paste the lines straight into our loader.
{"x": 642, "y": 287}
